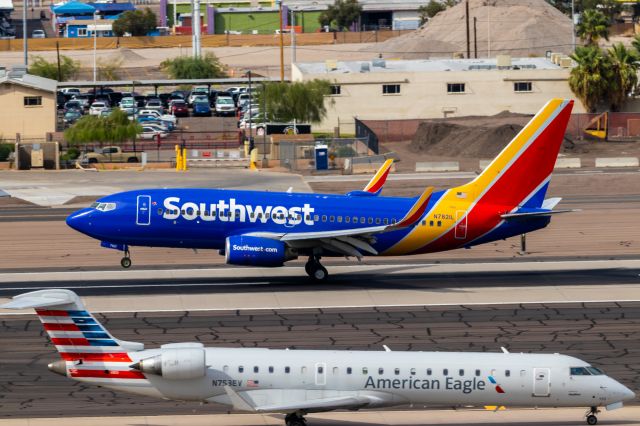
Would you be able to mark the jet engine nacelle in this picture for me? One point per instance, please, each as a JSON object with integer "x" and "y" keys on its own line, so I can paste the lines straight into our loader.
{"x": 175, "y": 364}
{"x": 256, "y": 251}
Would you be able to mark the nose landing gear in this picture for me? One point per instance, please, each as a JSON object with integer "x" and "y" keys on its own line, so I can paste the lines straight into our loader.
{"x": 125, "y": 262}
{"x": 295, "y": 419}
{"x": 591, "y": 416}
{"x": 315, "y": 270}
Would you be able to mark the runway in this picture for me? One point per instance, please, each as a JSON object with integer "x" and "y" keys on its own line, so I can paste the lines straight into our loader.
{"x": 605, "y": 334}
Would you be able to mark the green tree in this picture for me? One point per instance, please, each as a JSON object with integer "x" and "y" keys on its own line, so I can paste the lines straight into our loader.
{"x": 109, "y": 69}
{"x": 430, "y": 10}
{"x": 589, "y": 79}
{"x": 300, "y": 101}
{"x": 593, "y": 26}
{"x": 135, "y": 22}
{"x": 624, "y": 74}
{"x": 41, "y": 67}
{"x": 185, "y": 67}
{"x": 114, "y": 129}
{"x": 341, "y": 14}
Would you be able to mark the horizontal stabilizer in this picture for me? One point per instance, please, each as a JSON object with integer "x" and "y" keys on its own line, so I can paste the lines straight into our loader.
{"x": 531, "y": 215}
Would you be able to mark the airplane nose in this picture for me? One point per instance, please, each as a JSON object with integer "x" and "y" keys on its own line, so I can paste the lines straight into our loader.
{"x": 80, "y": 220}
{"x": 628, "y": 394}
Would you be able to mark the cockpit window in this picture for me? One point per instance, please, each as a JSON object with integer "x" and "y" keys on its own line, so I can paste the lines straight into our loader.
{"x": 104, "y": 207}
{"x": 94, "y": 205}
{"x": 579, "y": 371}
{"x": 595, "y": 371}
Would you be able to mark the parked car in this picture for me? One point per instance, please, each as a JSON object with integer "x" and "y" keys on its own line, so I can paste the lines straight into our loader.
{"x": 243, "y": 99}
{"x": 70, "y": 90}
{"x": 38, "y": 34}
{"x": 141, "y": 100}
{"x": 157, "y": 115}
{"x": 111, "y": 154}
{"x": 85, "y": 99}
{"x": 179, "y": 108}
{"x": 106, "y": 112}
{"x": 201, "y": 109}
{"x": 149, "y": 132}
{"x": 128, "y": 104}
{"x": 73, "y": 106}
{"x": 155, "y": 104}
{"x": 225, "y": 106}
{"x": 97, "y": 107}
{"x": 149, "y": 120}
{"x": 200, "y": 98}
{"x": 71, "y": 116}
{"x": 197, "y": 91}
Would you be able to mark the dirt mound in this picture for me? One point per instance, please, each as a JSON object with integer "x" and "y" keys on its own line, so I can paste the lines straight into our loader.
{"x": 518, "y": 28}
{"x": 447, "y": 139}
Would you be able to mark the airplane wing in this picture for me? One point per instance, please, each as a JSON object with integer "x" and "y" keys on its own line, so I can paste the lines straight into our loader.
{"x": 354, "y": 241}
{"x": 242, "y": 401}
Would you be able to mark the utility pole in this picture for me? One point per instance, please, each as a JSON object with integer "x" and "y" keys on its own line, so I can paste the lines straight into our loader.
{"x": 24, "y": 32}
{"x": 58, "y": 54}
{"x": 195, "y": 26}
{"x": 281, "y": 44}
{"x": 466, "y": 5}
{"x": 95, "y": 45}
{"x": 293, "y": 38}
{"x": 573, "y": 26}
{"x": 475, "y": 38}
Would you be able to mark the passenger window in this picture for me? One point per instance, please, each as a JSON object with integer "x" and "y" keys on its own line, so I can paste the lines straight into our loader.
{"x": 332, "y": 218}
{"x": 461, "y": 372}
{"x": 287, "y": 370}
{"x": 424, "y": 223}
{"x": 316, "y": 217}
{"x": 507, "y": 373}
{"x": 252, "y": 215}
{"x": 256, "y": 369}
{"x": 308, "y": 217}
{"x": 320, "y": 369}
{"x": 386, "y": 221}
{"x": 335, "y": 370}
{"x": 380, "y": 370}
{"x": 365, "y": 370}
{"x": 377, "y": 221}
{"x": 393, "y": 221}
{"x": 429, "y": 371}
{"x": 370, "y": 220}
{"x": 225, "y": 368}
{"x": 303, "y": 370}
{"x": 397, "y": 371}
{"x": 355, "y": 219}
{"x": 478, "y": 373}
{"x": 270, "y": 369}
{"x": 523, "y": 373}
{"x": 160, "y": 211}
{"x": 339, "y": 219}
{"x": 184, "y": 211}
{"x": 445, "y": 372}
{"x": 413, "y": 371}
{"x": 349, "y": 370}
{"x": 241, "y": 369}
{"x": 324, "y": 218}
{"x": 347, "y": 219}
{"x": 363, "y": 220}
{"x": 439, "y": 223}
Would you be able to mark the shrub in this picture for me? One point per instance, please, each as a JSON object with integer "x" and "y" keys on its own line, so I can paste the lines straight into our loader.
{"x": 5, "y": 150}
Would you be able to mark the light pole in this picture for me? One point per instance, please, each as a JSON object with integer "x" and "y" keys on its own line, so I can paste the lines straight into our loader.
{"x": 293, "y": 38}
{"x": 573, "y": 26}
{"x": 95, "y": 44}
{"x": 279, "y": 3}
{"x": 249, "y": 111}
{"x": 195, "y": 26}
{"x": 24, "y": 32}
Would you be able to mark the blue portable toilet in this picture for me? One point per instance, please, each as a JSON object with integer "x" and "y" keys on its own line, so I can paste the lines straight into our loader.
{"x": 322, "y": 157}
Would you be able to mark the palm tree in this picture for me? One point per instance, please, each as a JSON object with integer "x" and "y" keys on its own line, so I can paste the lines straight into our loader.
{"x": 590, "y": 78}
{"x": 593, "y": 26}
{"x": 624, "y": 74}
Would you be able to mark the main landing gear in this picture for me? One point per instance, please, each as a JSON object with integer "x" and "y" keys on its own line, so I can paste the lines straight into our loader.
{"x": 315, "y": 270}
{"x": 591, "y": 416}
{"x": 125, "y": 262}
{"x": 295, "y": 419}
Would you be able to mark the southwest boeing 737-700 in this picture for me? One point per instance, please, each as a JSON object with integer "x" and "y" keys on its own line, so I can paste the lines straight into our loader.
{"x": 297, "y": 382}
{"x": 259, "y": 228}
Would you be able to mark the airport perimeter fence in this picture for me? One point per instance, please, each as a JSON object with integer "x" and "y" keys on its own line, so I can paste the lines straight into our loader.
{"x": 621, "y": 126}
{"x": 207, "y": 40}
{"x": 301, "y": 155}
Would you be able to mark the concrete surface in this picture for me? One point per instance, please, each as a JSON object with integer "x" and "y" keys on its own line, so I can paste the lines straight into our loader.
{"x": 437, "y": 166}
{"x": 606, "y": 334}
{"x": 568, "y": 163}
{"x": 517, "y": 417}
{"x": 617, "y": 162}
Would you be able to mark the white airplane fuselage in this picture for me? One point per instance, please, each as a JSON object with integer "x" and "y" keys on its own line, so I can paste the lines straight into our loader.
{"x": 276, "y": 377}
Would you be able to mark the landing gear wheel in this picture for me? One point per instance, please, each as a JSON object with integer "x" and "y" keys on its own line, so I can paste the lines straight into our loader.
{"x": 294, "y": 419}
{"x": 315, "y": 270}
{"x": 592, "y": 420}
{"x": 125, "y": 262}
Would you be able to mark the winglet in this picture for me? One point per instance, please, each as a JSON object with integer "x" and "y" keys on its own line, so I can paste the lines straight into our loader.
{"x": 416, "y": 212}
{"x": 239, "y": 403}
{"x": 377, "y": 181}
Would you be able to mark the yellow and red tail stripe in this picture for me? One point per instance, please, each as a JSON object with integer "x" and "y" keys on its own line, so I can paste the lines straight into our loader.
{"x": 377, "y": 181}
{"x": 520, "y": 168}
{"x": 418, "y": 209}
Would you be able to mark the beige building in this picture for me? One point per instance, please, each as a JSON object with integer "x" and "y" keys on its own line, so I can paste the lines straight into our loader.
{"x": 407, "y": 89}
{"x": 27, "y": 105}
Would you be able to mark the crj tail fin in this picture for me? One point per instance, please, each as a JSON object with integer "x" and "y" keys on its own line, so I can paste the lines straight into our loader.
{"x": 89, "y": 350}
{"x": 520, "y": 174}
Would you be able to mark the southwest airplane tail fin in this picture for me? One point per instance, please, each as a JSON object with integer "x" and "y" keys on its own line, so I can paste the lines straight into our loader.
{"x": 87, "y": 349}
{"x": 377, "y": 181}
{"x": 520, "y": 174}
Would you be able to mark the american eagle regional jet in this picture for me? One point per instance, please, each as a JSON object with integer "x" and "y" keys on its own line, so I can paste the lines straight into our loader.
{"x": 297, "y": 382}
{"x": 259, "y": 228}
